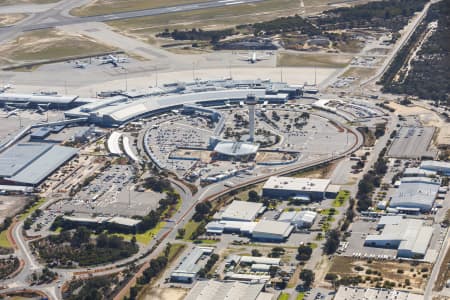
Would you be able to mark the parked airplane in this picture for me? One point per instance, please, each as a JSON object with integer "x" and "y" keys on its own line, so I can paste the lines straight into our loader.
{"x": 5, "y": 88}
{"x": 80, "y": 65}
{"x": 253, "y": 57}
{"x": 114, "y": 60}
{"x": 12, "y": 113}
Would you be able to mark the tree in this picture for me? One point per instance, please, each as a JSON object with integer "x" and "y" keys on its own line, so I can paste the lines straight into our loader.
{"x": 304, "y": 252}
{"x": 253, "y": 196}
{"x": 102, "y": 240}
{"x": 332, "y": 242}
{"x": 255, "y": 252}
{"x": 307, "y": 276}
{"x": 82, "y": 235}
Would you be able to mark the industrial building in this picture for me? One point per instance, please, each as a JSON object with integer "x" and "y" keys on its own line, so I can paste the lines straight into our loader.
{"x": 415, "y": 194}
{"x": 418, "y": 172}
{"x": 272, "y": 231}
{"x": 189, "y": 266}
{"x": 436, "y": 166}
{"x": 354, "y": 292}
{"x": 299, "y": 219}
{"x": 241, "y": 211}
{"x": 239, "y": 227}
{"x": 31, "y": 163}
{"x": 410, "y": 237}
{"x": 306, "y": 189}
{"x": 225, "y": 290}
{"x": 272, "y": 261}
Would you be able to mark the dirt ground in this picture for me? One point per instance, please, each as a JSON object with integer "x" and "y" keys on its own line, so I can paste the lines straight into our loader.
{"x": 393, "y": 271}
{"x": 286, "y": 59}
{"x": 49, "y": 44}
{"x": 11, "y": 205}
{"x": 9, "y": 19}
{"x": 164, "y": 294}
{"x": 428, "y": 118}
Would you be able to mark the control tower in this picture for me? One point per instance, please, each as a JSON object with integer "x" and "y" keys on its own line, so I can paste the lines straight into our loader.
{"x": 251, "y": 101}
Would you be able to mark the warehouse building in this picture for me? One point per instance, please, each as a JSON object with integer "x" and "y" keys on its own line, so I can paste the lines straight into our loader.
{"x": 189, "y": 267}
{"x": 239, "y": 227}
{"x": 351, "y": 293}
{"x": 272, "y": 231}
{"x": 299, "y": 219}
{"x": 418, "y": 172}
{"x": 436, "y": 166}
{"x": 410, "y": 237}
{"x": 415, "y": 194}
{"x": 225, "y": 290}
{"x": 31, "y": 163}
{"x": 306, "y": 189}
{"x": 241, "y": 211}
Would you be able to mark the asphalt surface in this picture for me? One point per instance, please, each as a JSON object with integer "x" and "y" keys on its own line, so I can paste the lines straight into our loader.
{"x": 58, "y": 16}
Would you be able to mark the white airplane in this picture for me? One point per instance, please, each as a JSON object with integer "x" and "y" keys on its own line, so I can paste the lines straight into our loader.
{"x": 114, "y": 60}
{"x": 12, "y": 113}
{"x": 5, "y": 88}
{"x": 253, "y": 57}
{"x": 80, "y": 65}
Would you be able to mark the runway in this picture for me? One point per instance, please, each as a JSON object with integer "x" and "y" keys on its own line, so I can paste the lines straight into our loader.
{"x": 64, "y": 19}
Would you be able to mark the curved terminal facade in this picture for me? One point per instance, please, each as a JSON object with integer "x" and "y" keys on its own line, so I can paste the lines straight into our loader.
{"x": 120, "y": 109}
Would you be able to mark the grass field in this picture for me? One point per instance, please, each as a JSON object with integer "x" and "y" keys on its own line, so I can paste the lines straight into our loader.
{"x": 104, "y": 7}
{"x": 14, "y": 2}
{"x": 208, "y": 18}
{"x": 342, "y": 197}
{"x": 50, "y": 44}
{"x": 190, "y": 227}
{"x": 300, "y": 296}
{"x": 146, "y": 237}
{"x": 175, "y": 249}
{"x": 312, "y": 60}
{"x": 4, "y": 242}
{"x": 30, "y": 210}
{"x": 284, "y": 296}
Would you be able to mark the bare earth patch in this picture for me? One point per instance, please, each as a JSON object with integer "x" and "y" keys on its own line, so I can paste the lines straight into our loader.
{"x": 164, "y": 294}
{"x": 319, "y": 60}
{"x": 50, "y": 44}
{"x": 10, "y": 19}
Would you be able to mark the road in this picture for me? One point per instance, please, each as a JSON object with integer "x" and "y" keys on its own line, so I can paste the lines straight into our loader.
{"x": 437, "y": 267}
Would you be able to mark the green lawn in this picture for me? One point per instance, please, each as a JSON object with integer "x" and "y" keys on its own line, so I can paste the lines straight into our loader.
{"x": 30, "y": 210}
{"x": 174, "y": 250}
{"x": 283, "y": 296}
{"x": 342, "y": 197}
{"x": 190, "y": 227}
{"x": 300, "y": 296}
{"x": 146, "y": 237}
{"x": 4, "y": 242}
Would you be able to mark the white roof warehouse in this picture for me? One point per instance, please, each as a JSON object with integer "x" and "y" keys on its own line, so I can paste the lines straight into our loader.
{"x": 310, "y": 188}
{"x": 410, "y": 236}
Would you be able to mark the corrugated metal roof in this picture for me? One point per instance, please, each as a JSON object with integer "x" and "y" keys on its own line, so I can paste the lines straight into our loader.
{"x": 19, "y": 156}
{"x": 47, "y": 163}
